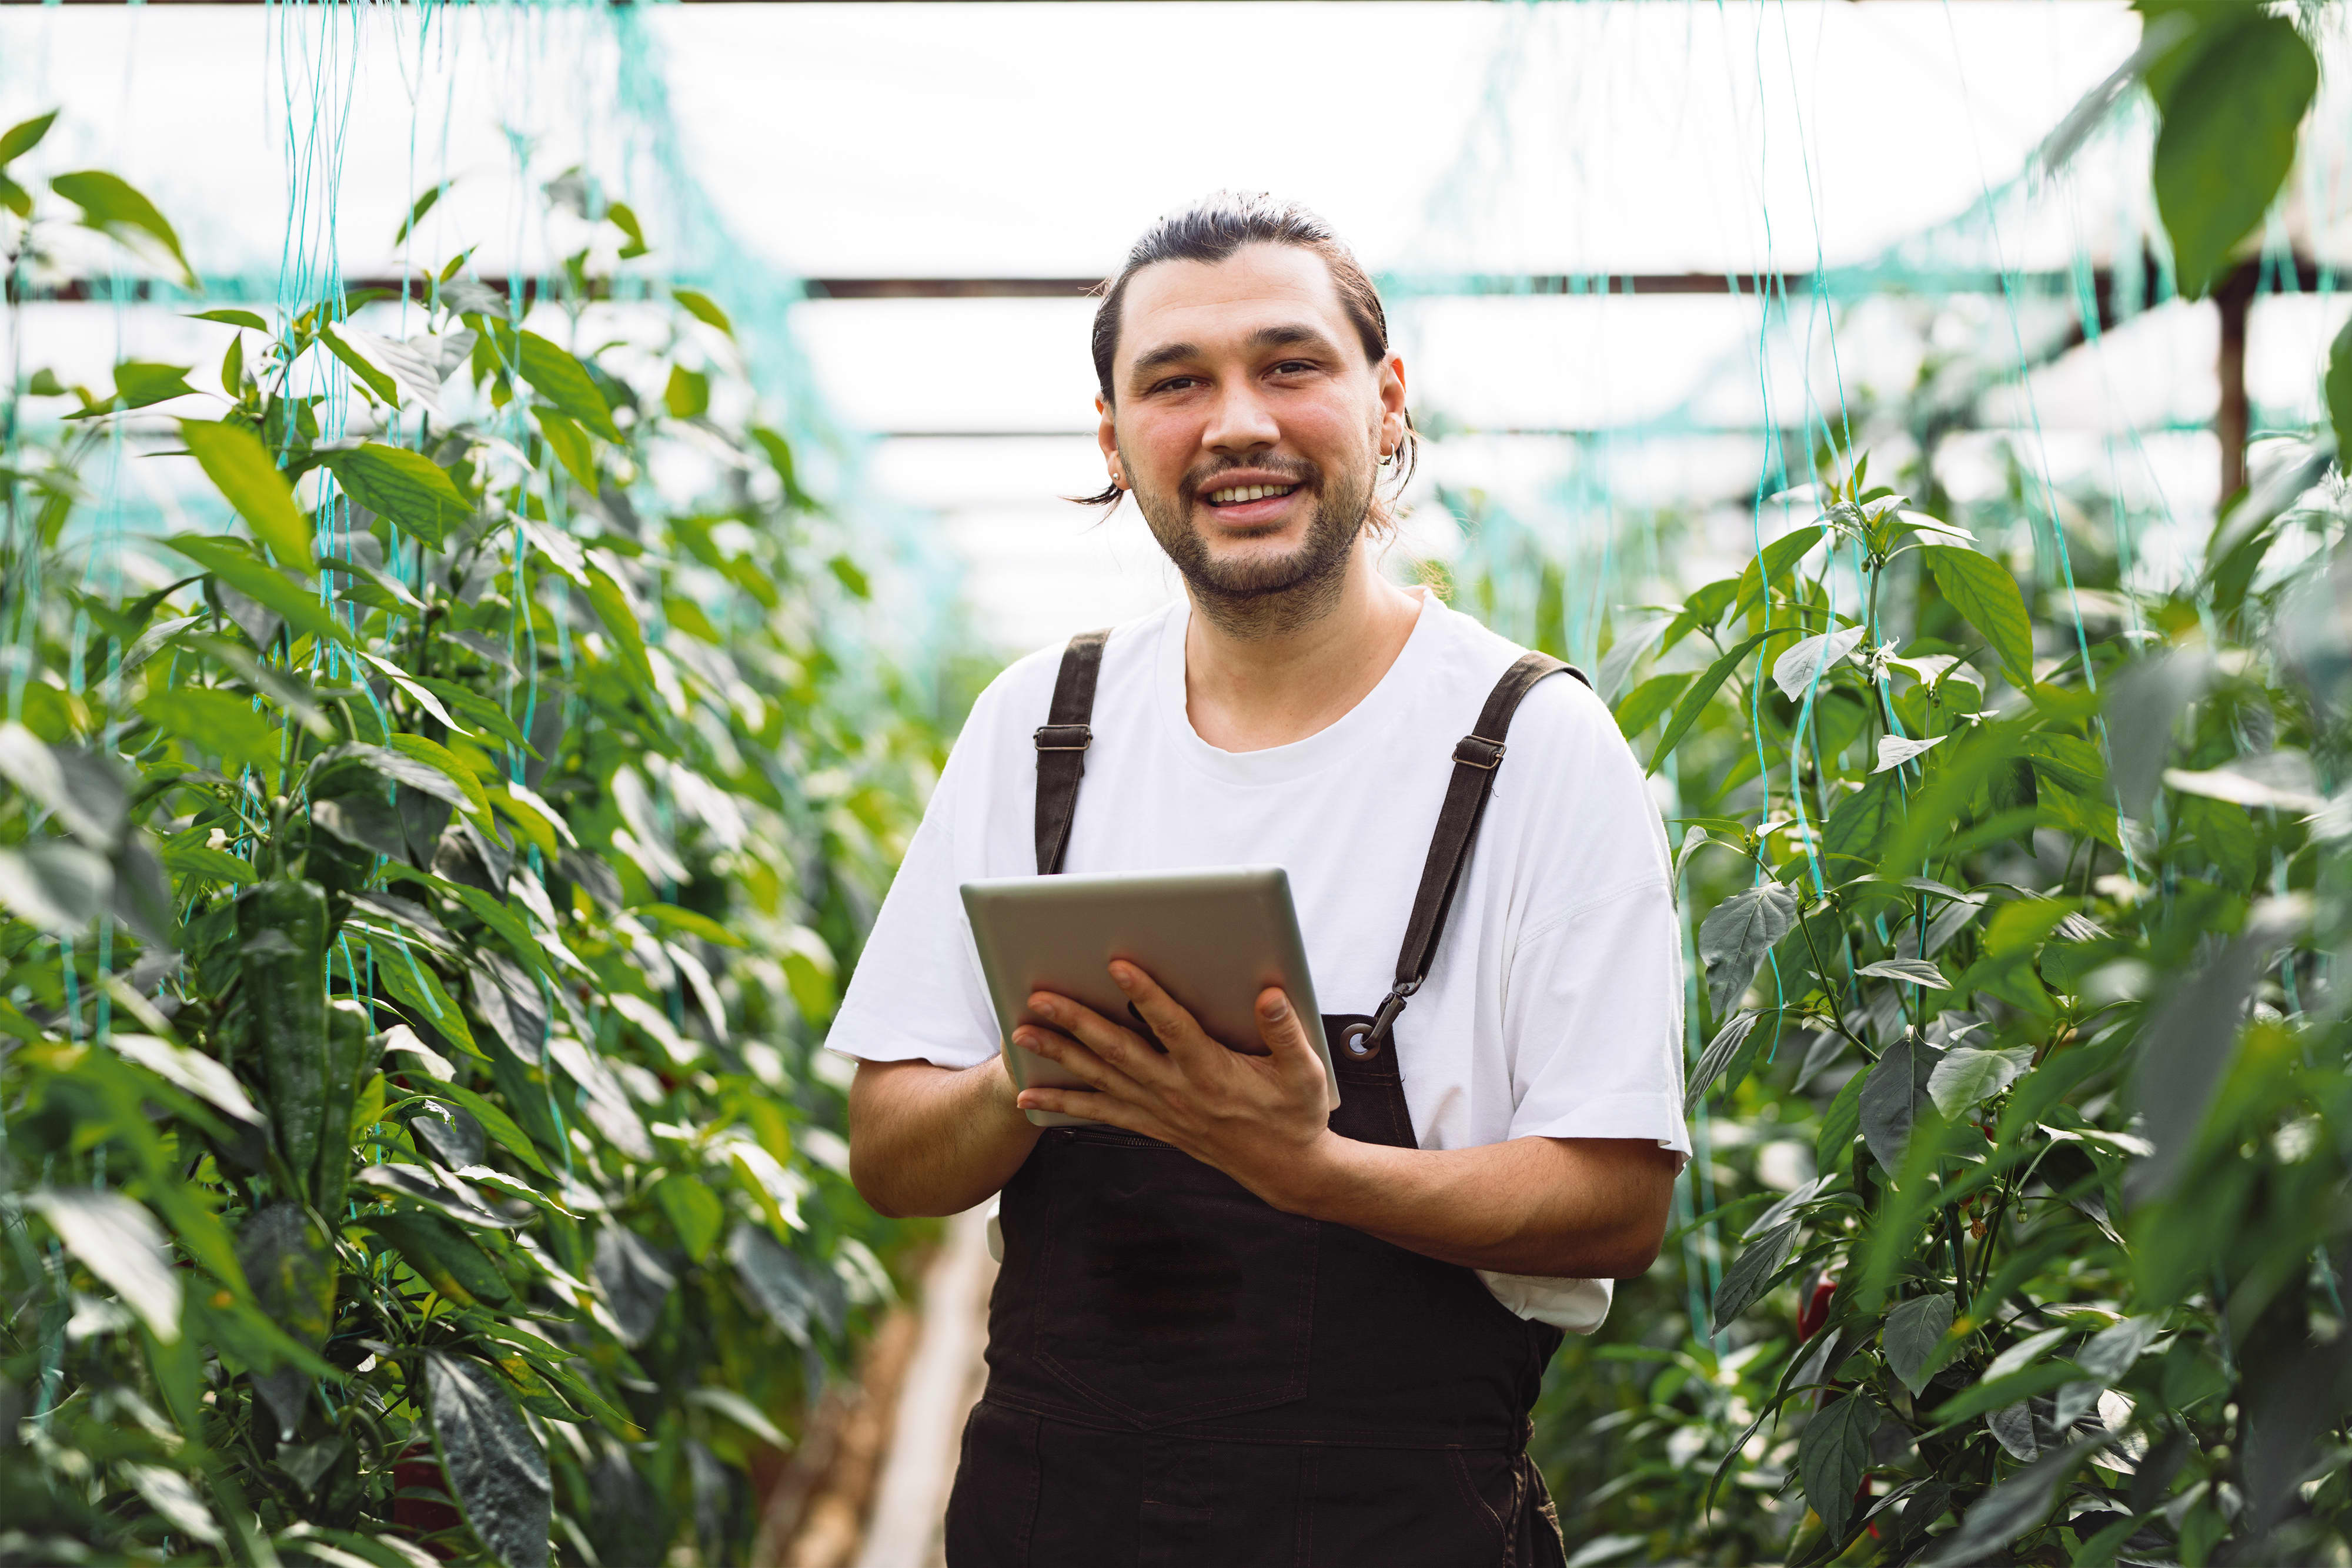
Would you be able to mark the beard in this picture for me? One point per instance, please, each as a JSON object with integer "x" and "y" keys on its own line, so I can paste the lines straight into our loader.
{"x": 1264, "y": 595}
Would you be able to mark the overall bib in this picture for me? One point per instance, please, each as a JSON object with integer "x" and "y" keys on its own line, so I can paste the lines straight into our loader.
{"x": 1182, "y": 1377}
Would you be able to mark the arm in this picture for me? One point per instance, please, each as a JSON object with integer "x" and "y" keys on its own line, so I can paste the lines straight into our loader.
{"x": 1583, "y": 1208}
{"x": 1587, "y": 1209}
{"x": 933, "y": 1140}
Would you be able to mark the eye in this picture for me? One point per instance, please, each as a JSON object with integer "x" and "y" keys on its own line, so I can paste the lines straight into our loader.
{"x": 1173, "y": 383}
{"x": 1293, "y": 367}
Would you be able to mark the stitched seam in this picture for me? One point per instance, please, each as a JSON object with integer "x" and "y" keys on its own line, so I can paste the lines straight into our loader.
{"x": 1577, "y": 911}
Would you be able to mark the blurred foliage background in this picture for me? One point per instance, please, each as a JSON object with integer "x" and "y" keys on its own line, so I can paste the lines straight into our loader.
{"x": 428, "y": 869}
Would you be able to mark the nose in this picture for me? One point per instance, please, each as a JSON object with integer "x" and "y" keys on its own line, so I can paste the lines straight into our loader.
{"x": 1241, "y": 421}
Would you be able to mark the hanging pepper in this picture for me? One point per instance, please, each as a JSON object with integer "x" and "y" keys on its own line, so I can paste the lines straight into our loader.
{"x": 282, "y": 928}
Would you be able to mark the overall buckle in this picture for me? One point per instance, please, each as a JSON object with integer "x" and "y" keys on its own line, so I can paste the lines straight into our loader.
{"x": 1478, "y": 751}
{"x": 1063, "y": 736}
{"x": 1363, "y": 1041}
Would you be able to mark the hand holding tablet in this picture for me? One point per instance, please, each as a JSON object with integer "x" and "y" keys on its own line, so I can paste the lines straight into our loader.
{"x": 1211, "y": 940}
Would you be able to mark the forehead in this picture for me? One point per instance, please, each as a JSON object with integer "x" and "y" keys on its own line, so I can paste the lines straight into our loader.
{"x": 1222, "y": 303}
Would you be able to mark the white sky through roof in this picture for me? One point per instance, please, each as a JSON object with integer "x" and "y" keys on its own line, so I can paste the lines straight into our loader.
{"x": 1036, "y": 140}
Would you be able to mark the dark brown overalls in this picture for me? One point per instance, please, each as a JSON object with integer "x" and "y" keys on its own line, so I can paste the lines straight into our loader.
{"x": 1181, "y": 1374}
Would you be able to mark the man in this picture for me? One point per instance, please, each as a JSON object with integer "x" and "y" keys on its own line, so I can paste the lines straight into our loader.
{"x": 1232, "y": 1327}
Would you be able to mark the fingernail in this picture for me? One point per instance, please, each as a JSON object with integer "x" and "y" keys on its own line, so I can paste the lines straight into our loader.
{"x": 1277, "y": 1008}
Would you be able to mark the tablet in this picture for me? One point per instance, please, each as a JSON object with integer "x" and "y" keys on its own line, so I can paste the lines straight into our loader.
{"x": 1213, "y": 939}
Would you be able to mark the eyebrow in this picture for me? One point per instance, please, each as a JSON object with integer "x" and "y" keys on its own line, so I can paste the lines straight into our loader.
{"x": 1278, "y": 337}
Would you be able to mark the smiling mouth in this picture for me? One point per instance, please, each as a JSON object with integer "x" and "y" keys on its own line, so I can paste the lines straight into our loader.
{"x": 1235, "y": 494}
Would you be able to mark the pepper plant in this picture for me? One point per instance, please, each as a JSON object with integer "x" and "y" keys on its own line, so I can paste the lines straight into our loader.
{"x": 2025, "y": 940}
{"x": 420, "y": 900}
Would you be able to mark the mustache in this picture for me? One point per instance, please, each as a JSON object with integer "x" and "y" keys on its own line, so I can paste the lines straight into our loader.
{"x": 1295, "y": 470}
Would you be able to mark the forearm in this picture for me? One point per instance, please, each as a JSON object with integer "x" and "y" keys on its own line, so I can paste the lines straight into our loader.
{"x": 1585, "y": 1208}
{"x": 933, "y": 1140}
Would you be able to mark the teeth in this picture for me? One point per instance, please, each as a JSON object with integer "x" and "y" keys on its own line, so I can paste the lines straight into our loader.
{"x": 1247, "y": 492}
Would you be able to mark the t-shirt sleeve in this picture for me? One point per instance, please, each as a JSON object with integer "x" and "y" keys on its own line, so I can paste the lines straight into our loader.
{"x": 917, "y": 994}
{"x": 1595, "y": 1007}
{"x": 1593, "y": 1000}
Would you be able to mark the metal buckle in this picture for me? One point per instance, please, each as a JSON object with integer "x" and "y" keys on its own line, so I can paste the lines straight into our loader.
{"x": 1478, "y": 751}
{"x": 1362, "y": 1042}
{"x": 1062, "y": 735}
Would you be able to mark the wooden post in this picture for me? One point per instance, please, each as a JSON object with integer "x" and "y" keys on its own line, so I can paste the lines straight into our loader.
{"x": 2232, "y": 418}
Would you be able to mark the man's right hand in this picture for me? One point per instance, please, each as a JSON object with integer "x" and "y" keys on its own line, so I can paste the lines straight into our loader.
{"x": 934, "y": 1140}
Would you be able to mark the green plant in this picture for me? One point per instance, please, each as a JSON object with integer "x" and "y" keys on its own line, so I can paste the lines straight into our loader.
{"x": 420, "y": 905}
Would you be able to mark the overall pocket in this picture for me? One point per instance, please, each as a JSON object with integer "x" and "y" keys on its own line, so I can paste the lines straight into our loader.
{"x": 1166, "y": 1292}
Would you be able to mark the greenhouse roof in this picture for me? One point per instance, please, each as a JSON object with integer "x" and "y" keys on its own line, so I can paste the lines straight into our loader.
{"x": 1878, "y": 161}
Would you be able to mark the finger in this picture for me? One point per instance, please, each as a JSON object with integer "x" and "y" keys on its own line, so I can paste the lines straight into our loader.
{"x": 1174, "y": 1028}
{"x": 1061, "y": 1048}
{"x": 1114, "y": 1043}
{"x": 1102, "y": 1108}
{"x": 1285, "y": 1037}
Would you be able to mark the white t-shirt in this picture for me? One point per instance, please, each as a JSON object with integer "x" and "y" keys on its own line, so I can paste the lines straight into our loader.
{"x": 1554, "y": 1006}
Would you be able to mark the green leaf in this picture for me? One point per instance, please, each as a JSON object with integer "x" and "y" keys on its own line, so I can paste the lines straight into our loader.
{"x": 441, "y": 758}
{"x": 1891, "y": 1098}
{"x": 496, "y": 1468}
{"x": 233, "y": 563}
{"x": 246, "y": 318}
{"x": 1840, "y": 1123}
{"x": 1751, "y": 1275}
{"x": 2338, "y": 390}
{"x": 138, "y": 383}
{"x": 417, "y": 991}
{"x": 215, "y": 723}
{"x": 785, "y": 1285}
{"x": 120, "y": 1243}
{"x": 1914, "y": 1334}
{"x": 702, "y": 308}
{"x": 214, "y": 865}
{"x": 1738, "y": 933}
{"x": 1727, "y": 1039}
{"x": 370, "y": 374}
{"x": 623, "y": 219}
{"x": 423, "y": 206}
{"x": 2013, "y": 1507}
{"x": 558, "y": 377}
{"x": 1696, "y": 699}
{"x": 612, "y": 607}
{"x": 443, "y": 1257}
{"x": 1640, "y": 708}
{"x": 688, "y": 920}
{"x": 1986, "y": 595}
{"x": 23, "y": 136}
{"x": 406, "y": 487}
{"x": 570, "y": 444}
{"x": 1967, "y": 1076}
{"x": 239, "y": 466}
{"x": 1833, "y": 1456}
{"x": 695, "y": 1212}
{"x": 110, "y": 205}
{"x": 1772, "y": 563}
{"x": 503, "y": 1128}
{"x": 688, "y": 395}
{"x": 2228, "y": 138}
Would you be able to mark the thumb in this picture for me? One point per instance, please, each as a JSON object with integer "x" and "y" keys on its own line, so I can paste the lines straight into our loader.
{"x": 1279, "y": 1026}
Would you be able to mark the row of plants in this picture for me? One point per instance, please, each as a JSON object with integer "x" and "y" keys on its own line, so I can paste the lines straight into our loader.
{"x": 2018, "y": 895}
{"x": 421, "y": 895}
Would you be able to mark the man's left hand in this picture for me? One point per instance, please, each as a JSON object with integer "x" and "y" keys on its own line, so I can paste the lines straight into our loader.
{"x": 1262, "y": 1120}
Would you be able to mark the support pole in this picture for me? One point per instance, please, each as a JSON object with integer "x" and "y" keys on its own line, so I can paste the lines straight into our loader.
{"x": 2232, "y": 418}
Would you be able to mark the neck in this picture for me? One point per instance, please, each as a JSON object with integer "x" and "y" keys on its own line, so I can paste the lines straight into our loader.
{"x": 1269, "y": 681}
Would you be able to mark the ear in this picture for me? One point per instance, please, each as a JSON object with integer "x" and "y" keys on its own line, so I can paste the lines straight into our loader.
{"x": 1107, "y": 437}
{"x": 1392, "y": 395}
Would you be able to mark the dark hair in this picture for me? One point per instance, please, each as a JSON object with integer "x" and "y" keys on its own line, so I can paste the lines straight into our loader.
{"x": 1211, "y": 230}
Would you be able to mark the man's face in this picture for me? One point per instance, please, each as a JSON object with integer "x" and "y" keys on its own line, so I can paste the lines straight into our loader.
{"x": 1248, "y": 423}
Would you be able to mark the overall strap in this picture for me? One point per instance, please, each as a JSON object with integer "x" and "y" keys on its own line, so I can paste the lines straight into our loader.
{"x": 1062, "y": 743}
{"x": 1476, "y": 758}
